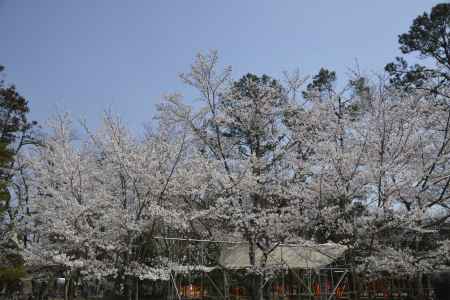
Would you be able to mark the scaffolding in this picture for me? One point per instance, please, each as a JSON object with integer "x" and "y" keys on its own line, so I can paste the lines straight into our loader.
{"x": 200, "y": 273}
{"x": 212, "y": 270}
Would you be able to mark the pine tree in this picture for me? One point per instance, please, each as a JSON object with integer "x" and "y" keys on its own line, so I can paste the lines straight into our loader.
{"x": 14, "y": 134}
{"x": 428, "y": 36}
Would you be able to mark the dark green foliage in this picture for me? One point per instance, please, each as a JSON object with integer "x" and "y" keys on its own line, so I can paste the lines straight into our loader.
{"x": 244, "y": 87}
{"x": 352, "y": 101}
{"x": 360, "y": 86}
{"x": 251, "y": 114}
{"x": 6, "y": 156}
{"x": 11, "y": 267}
{"x": 362, "y": 94}
{"x": 323, "y": 82}
{"x": 11, "y": 262}
{"x": 14, "y": 134}
{"x": 428, "y": 36}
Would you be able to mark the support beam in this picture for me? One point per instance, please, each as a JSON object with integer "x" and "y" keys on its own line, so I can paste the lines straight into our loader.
{"x": 337, "y": 285}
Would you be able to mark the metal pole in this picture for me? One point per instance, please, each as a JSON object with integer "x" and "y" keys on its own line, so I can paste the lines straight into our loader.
{"x": 282, "y": 274}
{"x": 203, "y": 271}
{"x": 337, "y": 285}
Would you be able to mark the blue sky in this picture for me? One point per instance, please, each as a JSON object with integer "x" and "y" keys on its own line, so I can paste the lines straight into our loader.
{"x": 85, "y": 56}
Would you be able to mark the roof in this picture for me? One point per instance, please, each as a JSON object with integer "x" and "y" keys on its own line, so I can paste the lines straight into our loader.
{"x": 295, "y": 257}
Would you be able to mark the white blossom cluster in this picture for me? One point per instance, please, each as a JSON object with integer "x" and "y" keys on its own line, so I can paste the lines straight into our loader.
{"x": 364, "y": 168}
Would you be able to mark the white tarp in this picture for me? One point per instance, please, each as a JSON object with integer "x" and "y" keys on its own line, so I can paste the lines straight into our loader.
{"x": 295, "y": 257}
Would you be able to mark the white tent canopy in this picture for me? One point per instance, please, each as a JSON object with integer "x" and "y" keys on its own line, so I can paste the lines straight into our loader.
{"x": 294, "y": 257}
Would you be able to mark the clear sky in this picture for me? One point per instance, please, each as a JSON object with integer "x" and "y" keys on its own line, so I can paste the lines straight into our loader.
{"x": 85, "y": 56}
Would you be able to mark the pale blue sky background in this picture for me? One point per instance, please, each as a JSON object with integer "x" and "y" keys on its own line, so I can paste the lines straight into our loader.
{"x": 86, "y": 56}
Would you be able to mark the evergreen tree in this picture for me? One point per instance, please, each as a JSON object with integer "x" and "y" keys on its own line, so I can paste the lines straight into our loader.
{"x": 14, "y": 134}
{"x": 429, "y": 36}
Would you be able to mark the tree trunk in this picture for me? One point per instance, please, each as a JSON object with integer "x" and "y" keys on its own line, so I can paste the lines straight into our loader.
{"x": 420, "y": 291}
{"x": 129, "y": 283}
{"x": 355, "y": 285}
{"x": 226, "y": 288}
{"x": 71, "y": 292}
{"x": 254, "y": 286}
{"x": 67, "y": 282}
{"x": 66, "y": 287}
{"x": 136, "y": 293}
{"x": 261, "y": 287}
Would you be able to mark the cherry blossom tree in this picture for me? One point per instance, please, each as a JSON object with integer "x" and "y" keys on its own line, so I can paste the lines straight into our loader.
{"x": 244, "y": 127}
{"x": 257, "y": 161}
{"x": 98, "y": 200}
